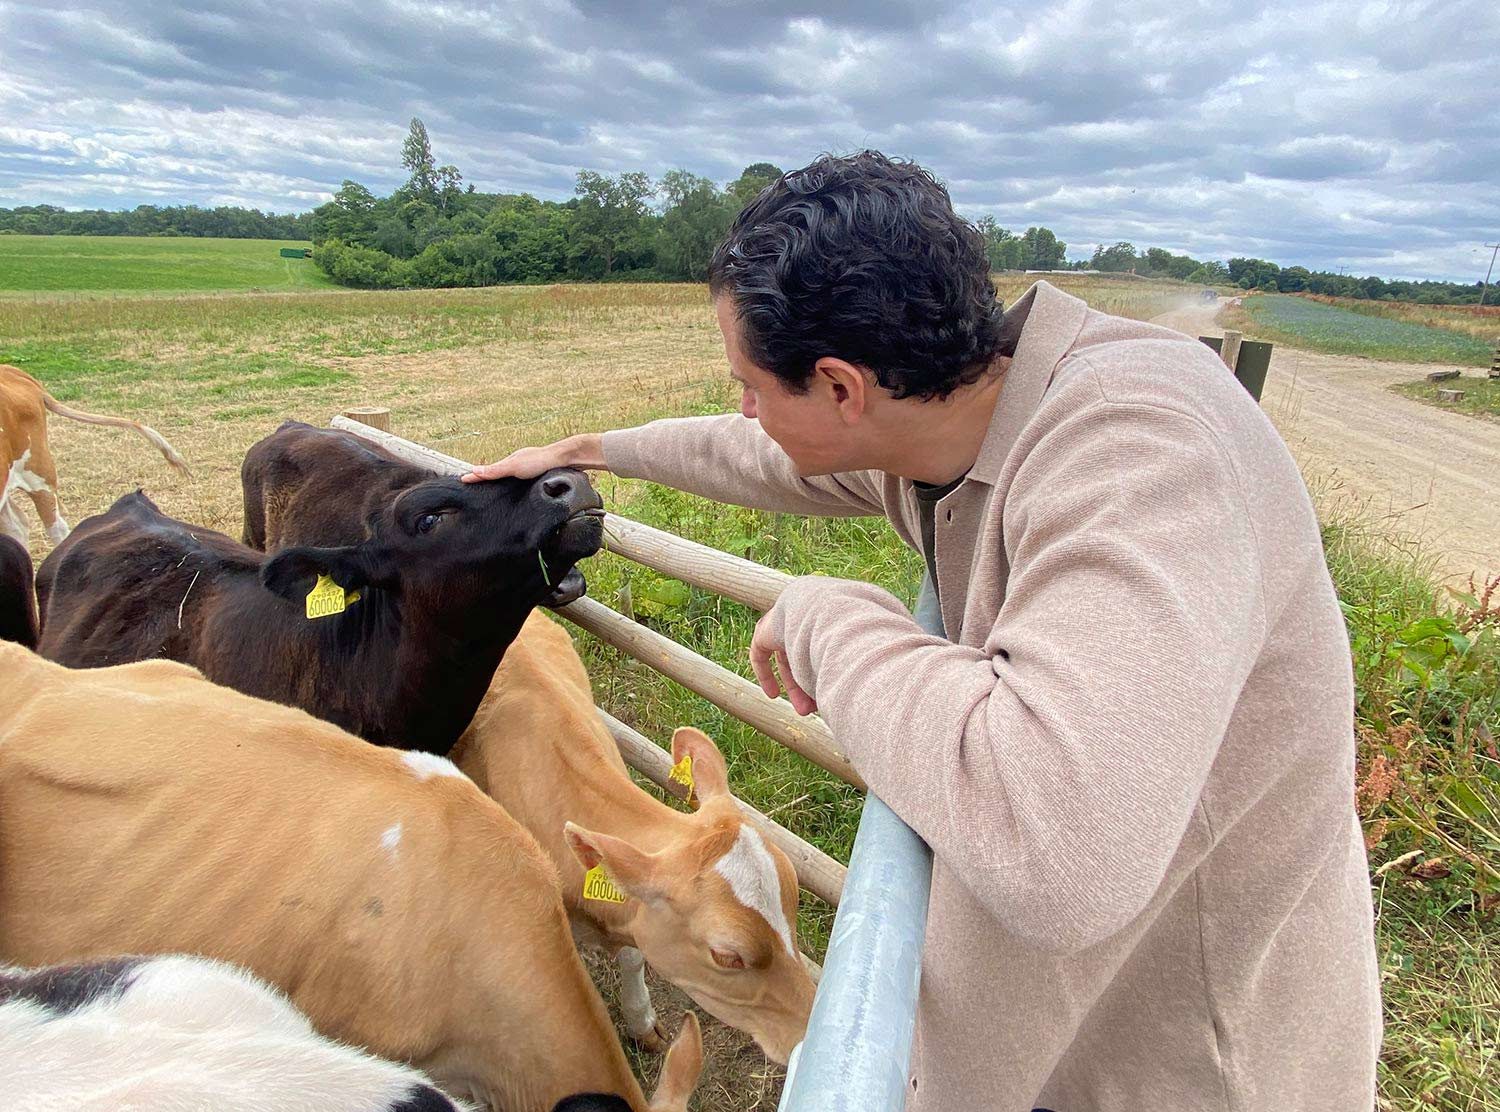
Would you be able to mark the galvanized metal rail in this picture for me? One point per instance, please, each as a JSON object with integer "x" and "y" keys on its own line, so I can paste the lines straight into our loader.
{"x": 858, "y": 1046}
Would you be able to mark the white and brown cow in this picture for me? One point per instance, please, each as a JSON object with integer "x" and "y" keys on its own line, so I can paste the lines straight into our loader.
{"x": 144, "y": 810}
{"x": 26, "y": 465}
{"x": 709, "y": 903}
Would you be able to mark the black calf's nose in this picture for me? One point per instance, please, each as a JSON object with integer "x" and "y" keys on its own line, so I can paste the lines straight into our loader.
{"x": 559, "y": 486}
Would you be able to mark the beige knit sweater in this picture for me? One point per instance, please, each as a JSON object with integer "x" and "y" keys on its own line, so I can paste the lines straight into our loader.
{"x": 1134, "y": 766}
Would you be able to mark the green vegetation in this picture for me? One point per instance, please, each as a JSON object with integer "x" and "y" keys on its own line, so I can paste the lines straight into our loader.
{"x": 1427, "y": 670}
{"x": 1481, "y": 395}
{"x": 1323, "y": 327}
{"x": 225, "y": 221}
{"x": 105, "y": 264}
{"x": 1481, "y": 322}
{"x": 479, "y": 372}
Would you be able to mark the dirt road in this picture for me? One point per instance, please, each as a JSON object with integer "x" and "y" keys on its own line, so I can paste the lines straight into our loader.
{"x": 1426, "y": 473}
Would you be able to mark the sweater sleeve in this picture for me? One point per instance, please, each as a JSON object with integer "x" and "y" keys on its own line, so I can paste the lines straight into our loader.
{"x": 1055, "y": 770}
{"x": 730, "y": 458}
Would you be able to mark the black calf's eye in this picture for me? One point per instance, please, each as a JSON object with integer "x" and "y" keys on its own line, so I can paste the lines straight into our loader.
{"x": 426, "y": 522}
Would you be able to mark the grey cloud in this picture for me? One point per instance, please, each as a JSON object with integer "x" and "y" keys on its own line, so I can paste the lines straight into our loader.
{"x": 1323, "y": 138}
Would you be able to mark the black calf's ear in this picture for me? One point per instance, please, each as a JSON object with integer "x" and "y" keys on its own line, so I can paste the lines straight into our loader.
{"x": 293, "y": 572}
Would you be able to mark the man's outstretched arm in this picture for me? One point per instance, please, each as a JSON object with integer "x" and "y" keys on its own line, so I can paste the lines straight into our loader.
{"x": 727, "y": 458}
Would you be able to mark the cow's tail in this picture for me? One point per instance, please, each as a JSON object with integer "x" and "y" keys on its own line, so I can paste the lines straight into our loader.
{"x": 156, "y": 438}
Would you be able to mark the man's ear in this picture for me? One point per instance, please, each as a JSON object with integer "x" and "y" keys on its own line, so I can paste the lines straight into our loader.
{"x": 848, "y": 386}
{"x": 710, "y": 774}
{"x": 293, "y": 572}
{"x": 635, "y": 872}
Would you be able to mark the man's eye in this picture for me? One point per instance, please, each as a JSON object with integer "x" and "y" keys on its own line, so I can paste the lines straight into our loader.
{"x": 427, "y": 521}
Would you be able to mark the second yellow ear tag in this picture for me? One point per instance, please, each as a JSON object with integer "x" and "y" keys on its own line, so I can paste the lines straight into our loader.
{"x": 598, "y": 886}
{"x": 327, "y": 598}
{"x": 682, "y": 772}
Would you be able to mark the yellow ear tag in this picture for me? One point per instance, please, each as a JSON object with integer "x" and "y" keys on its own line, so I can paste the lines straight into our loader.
{"x": 598, "y": 886}
{"x": 327, "y": 598}
{"x": 682, "y": 772}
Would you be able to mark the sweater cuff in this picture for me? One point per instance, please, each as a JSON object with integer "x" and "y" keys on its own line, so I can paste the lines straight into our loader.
{"x": 795, "y": 608}
{"x": 622, "y": 452}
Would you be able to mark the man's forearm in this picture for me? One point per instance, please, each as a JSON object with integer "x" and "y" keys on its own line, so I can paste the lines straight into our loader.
{"x": 584, "y": 451}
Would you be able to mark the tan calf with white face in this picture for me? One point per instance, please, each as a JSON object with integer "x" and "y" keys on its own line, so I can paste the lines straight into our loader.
{"x": 706, "y": 900}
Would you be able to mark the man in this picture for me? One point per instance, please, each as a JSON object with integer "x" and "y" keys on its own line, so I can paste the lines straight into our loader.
{"x": 1133, "y": 760}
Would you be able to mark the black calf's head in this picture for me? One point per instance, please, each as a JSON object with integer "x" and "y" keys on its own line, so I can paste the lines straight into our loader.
{"x": 513, "y": 541}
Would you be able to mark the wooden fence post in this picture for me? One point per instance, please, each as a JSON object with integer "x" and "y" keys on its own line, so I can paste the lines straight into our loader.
{"x": 376, "y": 416}
{"x": 1230, "y": 351}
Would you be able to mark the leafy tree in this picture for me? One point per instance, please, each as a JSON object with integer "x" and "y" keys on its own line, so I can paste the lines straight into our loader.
{"x": 349, "y": 217}
{"x": 450, "y": 190}
{"x": 416, "y": 156}
{"x": 696, "y": 219}
{"x": 752, "y": 180}
{"x": 1044, "y": 251}
{"x": 611, "y": 217}
{"x": 1116, "y": 259}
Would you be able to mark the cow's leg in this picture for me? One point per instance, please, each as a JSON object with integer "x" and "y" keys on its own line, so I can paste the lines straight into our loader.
{"x": 12, "y": 524}
{"x": 635, "y": 1001}
{"x": 37, "y": 476}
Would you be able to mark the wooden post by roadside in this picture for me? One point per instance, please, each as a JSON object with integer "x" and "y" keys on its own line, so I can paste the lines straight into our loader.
{"x": 1230, "y": 350}
{"x": 376, "y": 416}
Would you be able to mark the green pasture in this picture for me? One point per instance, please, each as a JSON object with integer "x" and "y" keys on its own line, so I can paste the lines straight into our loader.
{"x": 113, "y": 264}
{"x": 1321, "y": 327}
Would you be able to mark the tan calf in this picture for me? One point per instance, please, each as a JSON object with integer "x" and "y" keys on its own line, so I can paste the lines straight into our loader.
{"x": 144, "y": 810}
{"x": 26, "y": 465}
{"x": 709, "y": 903}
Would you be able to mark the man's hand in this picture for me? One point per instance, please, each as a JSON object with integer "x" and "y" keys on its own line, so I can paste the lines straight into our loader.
{"x": 585, "y": 451}
{"x": 767, "y": 644}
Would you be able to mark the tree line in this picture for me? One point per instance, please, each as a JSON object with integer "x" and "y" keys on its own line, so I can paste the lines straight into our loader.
{"x": 437, "y": 231}
{"x": 434, "y": 231}
{"x": 221, "y": 222}
{"x": 1260, "y": 274}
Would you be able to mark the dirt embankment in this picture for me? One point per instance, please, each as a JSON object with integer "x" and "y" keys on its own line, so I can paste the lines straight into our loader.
{"x": 1422, "y": 471}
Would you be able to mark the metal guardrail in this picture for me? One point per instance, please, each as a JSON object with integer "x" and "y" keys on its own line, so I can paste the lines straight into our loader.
{"x": 858, "y": 1046}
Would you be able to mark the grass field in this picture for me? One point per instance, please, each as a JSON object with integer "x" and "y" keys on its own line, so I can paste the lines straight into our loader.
{"x": 1481, "y": 322}
{"x": 1342, "y": 331}
{"x": 479, "y": 372}
{"x": 93, "y": 265}
{"x": 1481, "y": 395}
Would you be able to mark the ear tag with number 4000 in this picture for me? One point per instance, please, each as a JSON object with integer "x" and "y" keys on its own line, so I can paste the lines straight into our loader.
{"x": 327, "y": 598}
{"x": 598, "y": 886}
{"x": 682, "y": 772}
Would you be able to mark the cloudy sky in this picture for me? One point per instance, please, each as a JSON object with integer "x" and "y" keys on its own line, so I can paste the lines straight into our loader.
{"x": 1359, "y": 134}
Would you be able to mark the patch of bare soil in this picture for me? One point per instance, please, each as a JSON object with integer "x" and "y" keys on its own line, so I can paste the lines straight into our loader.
{"x": 1422, "y": 471}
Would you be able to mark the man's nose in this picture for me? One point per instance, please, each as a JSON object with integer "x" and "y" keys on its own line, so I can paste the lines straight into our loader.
{"x": 747, "y": 402}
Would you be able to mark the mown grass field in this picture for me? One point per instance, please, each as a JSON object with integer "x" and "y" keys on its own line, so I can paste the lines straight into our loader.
{"x": 94, "y": 265}
{"x": 477, "y": 373}
{"x": 1481, "y": 395}
{"x": 1343, "y": 331}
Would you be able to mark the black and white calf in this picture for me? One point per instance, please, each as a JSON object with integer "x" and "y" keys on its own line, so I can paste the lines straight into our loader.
{"x": 181, "y": 1034}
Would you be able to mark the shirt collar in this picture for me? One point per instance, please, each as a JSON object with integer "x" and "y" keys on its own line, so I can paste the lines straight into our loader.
{"x": 1053, "y": 320}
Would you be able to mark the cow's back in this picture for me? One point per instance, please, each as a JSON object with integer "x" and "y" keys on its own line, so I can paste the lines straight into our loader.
{"x": 306, "y": 485}
{"x": 129, "y": 583}
{"x": 22, "y": 415}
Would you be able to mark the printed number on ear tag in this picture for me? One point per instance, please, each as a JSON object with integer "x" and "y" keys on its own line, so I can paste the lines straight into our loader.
{"x": 682, "y": 772}
{"x": 598, "y": 886}
{"x": 327, "y": 598}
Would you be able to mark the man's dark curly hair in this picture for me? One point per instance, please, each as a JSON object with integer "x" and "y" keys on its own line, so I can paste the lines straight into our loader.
{"x": 861, "y": 258}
